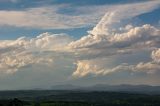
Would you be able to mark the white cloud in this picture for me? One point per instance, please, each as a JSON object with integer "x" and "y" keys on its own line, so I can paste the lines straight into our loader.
{"x": 86, "y": 67}
{"x": 110, "y": 38}
{"x": 134, "y": 40}
{"x": 110, "y": 24}
{"x": 49, "y": 17}
{"x": 45, "y": 41}
{"x": 16, "y": 54}
{"x": 149, "y": 67}
{"x": 146, "y": 34}
{"x": 12, "y": 61}
{"x": 112, "y": 19}
{"x": 98, "y": 67}
{"x": 156, "y": 55}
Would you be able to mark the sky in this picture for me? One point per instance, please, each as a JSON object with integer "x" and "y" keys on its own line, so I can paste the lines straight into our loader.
{"x": 80, "y": 42}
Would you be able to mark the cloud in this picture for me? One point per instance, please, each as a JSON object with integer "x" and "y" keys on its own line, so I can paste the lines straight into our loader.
{"x": 55, "y": 17}
{"x": 43, "y": 49}
{"x": 134, "y": 35}
{"x": 112, "y": 38}
{"x": 115, "y": 16}
{"x": 50, "y": 17}
{"x": 156, "y": 55}
{"x": 11, "y": 62}
{"x": 110, "y": 24}
{"x": 98, "y": 67}
{"x": 132, "y": 41}
{"x": 86, "y": 67}
{"x": 113, "y": 46}
{"x": 146, "y": 35}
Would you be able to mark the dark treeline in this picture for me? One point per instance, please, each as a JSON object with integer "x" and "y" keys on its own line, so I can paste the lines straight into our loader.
{"x": 73, "y": 98}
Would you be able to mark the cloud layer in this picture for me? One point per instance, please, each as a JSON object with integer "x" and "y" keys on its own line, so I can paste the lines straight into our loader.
{"x": 51, "y": 17}
{"x": 113, "y": 46}
{"x": 16, "y": 54}
{"x": 55, "y": 17}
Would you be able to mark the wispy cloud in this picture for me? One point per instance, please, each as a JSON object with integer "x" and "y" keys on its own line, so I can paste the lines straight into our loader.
{"x": 49, "y": 17}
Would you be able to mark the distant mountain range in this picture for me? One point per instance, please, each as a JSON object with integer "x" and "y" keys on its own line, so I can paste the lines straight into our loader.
{"x": 114, "y": 88}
